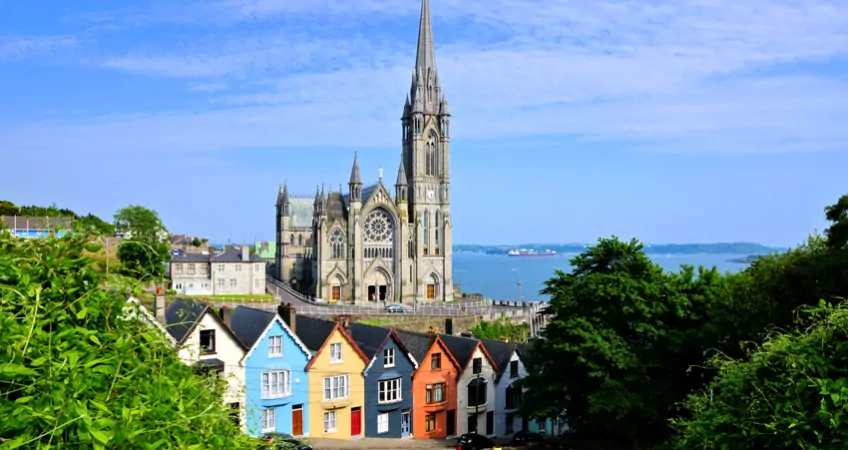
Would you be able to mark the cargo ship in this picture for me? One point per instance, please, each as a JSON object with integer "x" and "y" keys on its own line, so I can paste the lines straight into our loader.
{"x": 531, "y": 253}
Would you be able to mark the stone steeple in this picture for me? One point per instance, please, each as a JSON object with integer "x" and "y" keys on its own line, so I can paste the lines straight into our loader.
{"x": 425, "y": 92}
{"x": 355, "y": 183}
{"x": 425, "y": 57}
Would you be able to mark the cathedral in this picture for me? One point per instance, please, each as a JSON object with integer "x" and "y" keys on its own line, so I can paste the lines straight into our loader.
{"x": 374, "y": 243}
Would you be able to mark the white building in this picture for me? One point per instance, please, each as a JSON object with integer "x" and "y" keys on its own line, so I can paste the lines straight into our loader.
{"x": 476, "y": 396}
{"x": 235, "y": 271}
{"x": 511, "y": 369}
{"x": 205, "y": 342}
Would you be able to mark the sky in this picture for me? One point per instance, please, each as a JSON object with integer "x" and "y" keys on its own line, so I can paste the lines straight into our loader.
{"x": 671, "y": 121}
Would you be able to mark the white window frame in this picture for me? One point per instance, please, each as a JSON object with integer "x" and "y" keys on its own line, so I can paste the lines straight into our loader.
{"x": 178, "y": 269}
{"x": 383, "y": 423}
{"x": 330, "y": 425}
{"x": 233, "y": 282}
{"x": 276, "y": 384}
{"x": 275, "y": 346}
{"x": 269, "y": 420}
{"x": 221, "y": 267}
{"x": 390, "y": 391}
{"x": 238, "y": 267}
{"x": 336, "y": 388}
{"x": 336, "y": 353}
{"x": 389, "y": 357}
{"x": 257, "y": 283}
{"x": 220, "y": 283}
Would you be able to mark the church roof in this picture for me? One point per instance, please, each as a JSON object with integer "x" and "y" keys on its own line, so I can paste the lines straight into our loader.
{"x": 366, "y": 193}
{"x": 302, "y": 210}
{"x": 336, "y": 207}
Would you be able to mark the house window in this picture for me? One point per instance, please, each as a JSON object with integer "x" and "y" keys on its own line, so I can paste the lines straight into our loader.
{"x": 220, "y": 267}
{"x": 336, "y": 388}
{"x": 389, "y": 391}
{"x": 203, "y": 269}
{"x": 513, "y": 398}
{"x": 257, "y": 283}
{"x": 207, "y": 341}
{"x": 191, "y": 269}
{"x": 513, "y": 369}
{"x": 383, "y": 423}
{"x": 477, "y": 392}
{"x": 276, "y": 384}
{"x": 178, "y": 269}
{"x": 542, "y": 425}
{"x": 330, "y": 422}
{"x": 220, "y": 283}
{"x": 389, "y": 357}
{"x": 436, "y": 361}
{"x": 232, "y": 282}
{"x": 275, "y": 346}
{"x": 258, "y": 268}
{"x": 238, "y": 267}
{"x": 430, "y": 421}
{"x": 435, "y": 393}
{"x": 335, "y": 353}
{"x": 269, "y": 420}
{"x": 510, "y": 424}
{"x": 477, "y": 366}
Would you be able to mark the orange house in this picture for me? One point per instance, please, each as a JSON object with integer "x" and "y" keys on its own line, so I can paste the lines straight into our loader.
{"x": 434, "y": 386}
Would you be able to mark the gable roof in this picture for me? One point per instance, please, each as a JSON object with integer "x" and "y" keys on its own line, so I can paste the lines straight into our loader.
{"x": 372, "y": 339}
{"x": 419, "y": 344}
{"x": 250, "y": 325}
{"x": 315, "y": 334}
{"x": 463, "y": 349}
{"x": 183, "y": 315}
{"x": 501, "y": 353}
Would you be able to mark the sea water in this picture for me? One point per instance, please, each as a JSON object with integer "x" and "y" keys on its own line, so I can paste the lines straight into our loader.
{"x": 498, "y": 276}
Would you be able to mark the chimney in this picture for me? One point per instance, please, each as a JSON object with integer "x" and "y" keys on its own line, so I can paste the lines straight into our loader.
{"x": 159, "y": 308}
{"x": 288, "y": 313}
{"x": 211, "y": 255}
{"x": 226, "y": 316}
{"x": 344, "y": 321}
{"x": 449, "y": 326}
{"x": 504, "y": 339}
{"x": 245, "y": 253}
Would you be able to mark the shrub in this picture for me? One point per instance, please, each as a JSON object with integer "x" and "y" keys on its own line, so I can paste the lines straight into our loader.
{"x": 76, "y": 372}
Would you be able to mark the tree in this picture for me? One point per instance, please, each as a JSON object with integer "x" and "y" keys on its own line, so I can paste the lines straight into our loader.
{"x": 789, "y": 392}
{"x": 146, "y": 252}
{"x": 615, "y": 357}
{"x": 76, "y": 373}
{"x": 93, "y": 223}
{"x": 195, "y": 242}
{"x": 8, "y": 208}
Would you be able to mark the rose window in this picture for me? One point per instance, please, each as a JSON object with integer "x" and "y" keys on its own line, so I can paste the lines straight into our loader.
{"x": 378, "y": 227}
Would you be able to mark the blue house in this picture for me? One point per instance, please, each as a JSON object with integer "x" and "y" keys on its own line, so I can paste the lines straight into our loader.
{"x": 276, "y": 385}
{"x": 388, "y": 381}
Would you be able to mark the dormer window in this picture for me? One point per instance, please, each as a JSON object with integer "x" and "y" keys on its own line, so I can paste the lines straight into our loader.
{"x": 207, "y": 341}
{"x": 389, "y": 357}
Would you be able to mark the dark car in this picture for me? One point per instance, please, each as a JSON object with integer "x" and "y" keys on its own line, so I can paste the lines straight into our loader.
{"x": 473, "y": 441}
{"x": 282, "y": 441}
{"x": 526, "y": 437}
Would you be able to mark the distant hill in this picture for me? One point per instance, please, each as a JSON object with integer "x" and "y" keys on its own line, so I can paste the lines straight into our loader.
{"x": 728, "y": 248}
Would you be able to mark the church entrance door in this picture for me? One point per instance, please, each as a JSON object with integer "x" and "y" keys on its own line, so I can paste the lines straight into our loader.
{"x": 377, "y": 283}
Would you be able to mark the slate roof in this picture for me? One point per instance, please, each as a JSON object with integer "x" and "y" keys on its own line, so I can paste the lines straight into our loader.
{"x": 249, "y": 323}
{"x": 301, "y": 212}
{"x": 182, "y": 316}
{"x": 313, "y": 332}
{"x": 462, "y": 348}
{"x": 418, "y": 344}
{"x": 369, "y": 338}
{"x": 501, "y": 353}
{"x": 230, "y": 254}
{"x": 336, "y": 207}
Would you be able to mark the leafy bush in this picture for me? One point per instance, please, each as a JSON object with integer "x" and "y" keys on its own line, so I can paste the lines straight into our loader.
{"x": 77, "y": 372}
{"x": 790, "y": 392}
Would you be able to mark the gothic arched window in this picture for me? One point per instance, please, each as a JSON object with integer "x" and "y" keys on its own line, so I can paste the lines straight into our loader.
{"x": 291, "y": 239}
{"x": 426, "y": 232}
{"x": 410, "y": 247}
{"x": 437, "y": 232}
{"x": 299, "y": 239}
{"x": 337, "y": 243}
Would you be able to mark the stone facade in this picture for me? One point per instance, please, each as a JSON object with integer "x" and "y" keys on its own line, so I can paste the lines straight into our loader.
{"x": 370, "y": 244}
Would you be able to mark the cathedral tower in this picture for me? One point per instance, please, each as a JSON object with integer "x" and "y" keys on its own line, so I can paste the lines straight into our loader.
{"x": 426, "y": 157}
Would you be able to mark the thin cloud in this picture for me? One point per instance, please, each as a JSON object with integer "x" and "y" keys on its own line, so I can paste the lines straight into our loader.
{"x": 15, "y": 48}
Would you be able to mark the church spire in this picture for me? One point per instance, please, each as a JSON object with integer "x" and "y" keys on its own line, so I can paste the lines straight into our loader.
{"x": 425, "y": 57}
{"x": 354, "y": 172}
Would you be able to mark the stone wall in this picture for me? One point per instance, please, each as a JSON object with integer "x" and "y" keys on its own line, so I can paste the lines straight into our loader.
{"x": 420, "y": 324}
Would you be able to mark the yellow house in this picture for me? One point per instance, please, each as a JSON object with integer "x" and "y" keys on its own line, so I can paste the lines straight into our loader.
{"x": 336, "y": 382}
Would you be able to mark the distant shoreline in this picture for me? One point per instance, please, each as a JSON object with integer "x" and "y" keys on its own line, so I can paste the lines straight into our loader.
{"x": 734, "y": 248}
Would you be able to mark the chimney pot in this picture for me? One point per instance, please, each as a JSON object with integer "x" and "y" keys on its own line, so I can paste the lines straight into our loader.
{"x": 289, "y": 315}
{"x": 226, "y": 316}
{"x": 245, "y": 253}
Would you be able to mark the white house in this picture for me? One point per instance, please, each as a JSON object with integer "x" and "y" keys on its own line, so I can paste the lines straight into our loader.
{"x": 511, "y": 369}
{"x": 476, "y": 397}
{"x": 205, "y": 342}
{"x": 235, "y": 271}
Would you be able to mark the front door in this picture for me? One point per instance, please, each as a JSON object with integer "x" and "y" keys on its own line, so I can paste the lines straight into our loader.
{"x": 356, "y": 421}
{"x": 372, "y": 293}
{"x": 404, "y": 424}
{"x": 431, "y": 292}
{"x": 451, "y": 423}
{"x": 383, "y": 291}
{"x": 297, "y": 420}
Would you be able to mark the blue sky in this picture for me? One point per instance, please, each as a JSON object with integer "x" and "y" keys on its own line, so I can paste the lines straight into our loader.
{"x": 670, "y": 121}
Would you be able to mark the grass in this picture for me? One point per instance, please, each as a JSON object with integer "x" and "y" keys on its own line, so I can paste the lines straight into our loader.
{"x": 262, "y": 298}
{"x": 377, "y": 322}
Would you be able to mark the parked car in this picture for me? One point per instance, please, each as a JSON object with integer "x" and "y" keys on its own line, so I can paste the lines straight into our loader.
{"x": 282, "y": 441}
{"x": 473, "y": 441}
{"x": 526, "y": 437}
{"x": 399, "y": 309}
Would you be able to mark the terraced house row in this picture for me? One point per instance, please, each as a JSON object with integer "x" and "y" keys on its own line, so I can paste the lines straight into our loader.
{"x": 342, "y": 380}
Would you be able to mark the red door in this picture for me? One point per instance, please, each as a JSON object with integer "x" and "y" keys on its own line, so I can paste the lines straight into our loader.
{"x": 297, "y": 421}
{"x": 356, "y": 421}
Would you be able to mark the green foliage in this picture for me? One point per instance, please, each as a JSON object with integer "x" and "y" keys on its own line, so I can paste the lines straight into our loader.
{"x": 89, "y": 222}
{"x": 77, "y": 372}
{"x": 196, "y": 242}
{"x": 623, "y": 334}
{"x": 505, "y": 328}
{"x": 790, "y": 392}
{"x": 837, "y": 215}
{"x": 146, "y": 253}
{"x": 95, "y": 224}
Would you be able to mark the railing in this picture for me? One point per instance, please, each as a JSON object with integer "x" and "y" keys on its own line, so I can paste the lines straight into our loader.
{"x": 280, "y": 286}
